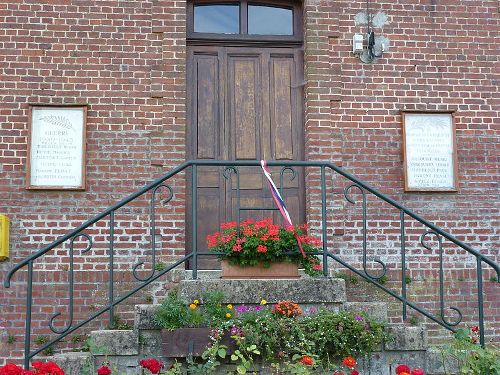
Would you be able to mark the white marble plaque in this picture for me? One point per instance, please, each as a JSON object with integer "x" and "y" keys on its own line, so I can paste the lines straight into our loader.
{"x": 429, "y": 157}
{"x": 57, "y": 148}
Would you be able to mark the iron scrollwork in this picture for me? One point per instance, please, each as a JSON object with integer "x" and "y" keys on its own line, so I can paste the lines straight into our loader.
{"x": 71, "y": 283}
{"x": 441, "y": 277}
{"x": 376, "y": 260}
{"x": 164, "y": 201}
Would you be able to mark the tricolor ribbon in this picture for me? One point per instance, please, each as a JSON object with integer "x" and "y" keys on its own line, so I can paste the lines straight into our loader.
{"x": 280, "y": 203}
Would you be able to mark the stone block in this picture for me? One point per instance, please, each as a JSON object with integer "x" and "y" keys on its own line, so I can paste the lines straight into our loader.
{"x": 143, "y": 317}
{"x": 406, "y": 338}
{"x": 376, "y": 310}
{"x": 123, "y": 365}
{"x": 115, "y": 342}
{"x": 73, "y": 363}
{"x": 436, "y": 366}
{"x": 385, "y": 363}
{"x": 150, "y": 344}
{"x": 303, "y": 290}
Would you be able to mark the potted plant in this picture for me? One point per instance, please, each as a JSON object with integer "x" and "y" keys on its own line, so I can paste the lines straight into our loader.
{"x": 254, "y": 249}
{"x": 187, "y": 329}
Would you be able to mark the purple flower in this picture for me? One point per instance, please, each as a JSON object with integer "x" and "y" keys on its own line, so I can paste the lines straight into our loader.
{"x": 242, "y": 309}
{"x": 358, "y": 317}
{"x": 313, "y": 310}
{"x": 237, "y": 331}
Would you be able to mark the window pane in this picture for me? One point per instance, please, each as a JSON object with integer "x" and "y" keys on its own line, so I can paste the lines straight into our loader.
{"x": 220, "y": 19}
{"x": 267, "y": 20}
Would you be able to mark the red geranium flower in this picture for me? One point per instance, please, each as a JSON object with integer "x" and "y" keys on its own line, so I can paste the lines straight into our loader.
{"x": 349, "y": 362}
{"x": 153, "y": 365}
{"x": 104, "y": 370}
{"x": 48, "y": 368}
{"x": 354, "y": 372}
{"x": 402, "y": 368}
{"x": 417, "y": 371}
{"x": 307, "y": 360}
{"x": 11, "y": 369}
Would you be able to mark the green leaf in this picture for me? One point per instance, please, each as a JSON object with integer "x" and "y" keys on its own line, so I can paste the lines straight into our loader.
{"x": 241, "y": 370}
{"x": 234, "y": 357}
{"x": 222, "y": 353}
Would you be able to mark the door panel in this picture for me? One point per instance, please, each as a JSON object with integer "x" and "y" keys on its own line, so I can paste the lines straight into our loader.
{"x": 243, "y": 104}
{"x": 244, "y": 107}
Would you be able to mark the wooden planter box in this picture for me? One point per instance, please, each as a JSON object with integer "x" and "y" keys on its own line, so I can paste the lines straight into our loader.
{"x": 182, "y": 342}
{"x": 283, "y": 270}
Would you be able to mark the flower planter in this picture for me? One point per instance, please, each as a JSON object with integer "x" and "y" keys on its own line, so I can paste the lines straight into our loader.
{"x": 281, "y": 270}
{"x": 182, "y": 342}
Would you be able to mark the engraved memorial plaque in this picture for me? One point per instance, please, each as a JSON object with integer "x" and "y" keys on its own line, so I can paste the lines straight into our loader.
{"x": 56, "y": 152}
{"x": 429, "y": 151}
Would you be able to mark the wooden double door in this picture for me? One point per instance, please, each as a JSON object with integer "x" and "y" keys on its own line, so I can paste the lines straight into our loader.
{"x": 244, "y": 103}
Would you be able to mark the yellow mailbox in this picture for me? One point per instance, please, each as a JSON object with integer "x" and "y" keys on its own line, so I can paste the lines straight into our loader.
{"x": 4, "y": 237}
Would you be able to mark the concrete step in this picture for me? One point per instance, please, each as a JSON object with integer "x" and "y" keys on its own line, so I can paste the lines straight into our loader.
{"x": 114, "y": 342}
{"x": 302, "y": 291}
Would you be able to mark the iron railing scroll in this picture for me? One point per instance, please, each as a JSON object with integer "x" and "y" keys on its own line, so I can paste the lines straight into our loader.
{"x": 230, "y": 170}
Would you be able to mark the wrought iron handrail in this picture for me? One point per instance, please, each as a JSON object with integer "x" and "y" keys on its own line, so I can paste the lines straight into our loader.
{"x": 232, "y": 167}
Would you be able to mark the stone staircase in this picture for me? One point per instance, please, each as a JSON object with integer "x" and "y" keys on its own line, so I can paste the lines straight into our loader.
{"x": 126, "y": 347}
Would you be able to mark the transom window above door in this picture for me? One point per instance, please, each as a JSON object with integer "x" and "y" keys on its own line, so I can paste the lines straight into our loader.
{"x": 276, "y": 20}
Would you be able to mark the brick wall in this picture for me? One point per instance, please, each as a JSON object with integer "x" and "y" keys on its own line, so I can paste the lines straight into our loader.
{"x": 126, "y": 61}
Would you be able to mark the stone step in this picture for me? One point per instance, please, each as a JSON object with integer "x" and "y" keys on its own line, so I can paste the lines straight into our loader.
{"x": 303, "y": 291}
{"x": 406, "y": 338}
{"x": 115, "y": 342}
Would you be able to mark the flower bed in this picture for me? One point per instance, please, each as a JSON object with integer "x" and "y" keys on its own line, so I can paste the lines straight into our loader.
{"x": 289, "y": 338}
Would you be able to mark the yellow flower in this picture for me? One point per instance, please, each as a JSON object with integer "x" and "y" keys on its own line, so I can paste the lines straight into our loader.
{"x": 230, "y": 307}
{"x": 192, "y": 306}
{"x": 263, "y": 302}
{"x": 228, "y": 315}
{"x": 196, "y": 302}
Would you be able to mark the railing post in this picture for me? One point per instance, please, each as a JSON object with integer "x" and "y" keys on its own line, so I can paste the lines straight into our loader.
{"x": 403, "y": 261}
{"x": 194, "y": 221}
{"x": 111, "y": 267}
{"x": 323, "y": 221}
{"x": 29, "y": 300}
{"x": 479, "y": 275}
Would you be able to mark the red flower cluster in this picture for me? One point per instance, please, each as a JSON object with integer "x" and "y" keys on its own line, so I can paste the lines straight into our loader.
{"x": 287, "y": 308}
{"x": 252, "y": 242}
{"x": 40, "y": 368}
{"x": 349, "y": 362}
{"x": 307, "y": 360}
{"x": 104, "y": 370}
{"x": 405, "y": 370}
{"x": 153, "y": 365}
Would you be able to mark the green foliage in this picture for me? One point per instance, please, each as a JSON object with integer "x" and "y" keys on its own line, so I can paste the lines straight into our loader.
{"x": 77, "y": 338}
{"x": 174, "y": 313}
{"x": 48, "y": 351}
{"x": 382, "y": 280}
{"x": 413, "y": 320}
{"x": 326, "y": 334}
{"x": 40, "y": 340}
{"x": 408, "y": 280}
{"x": 472, "y": 359}
{"x": 160, "y": 266}
{"x": 494, "y": 278}
{"x": 11, "y": 339}
{"x": 210, "y": 357}
{"x": 118, "y": 323}
{"x": 347, "y": 277}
